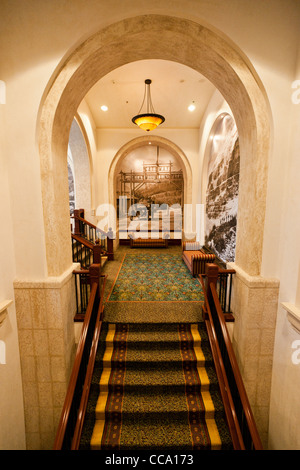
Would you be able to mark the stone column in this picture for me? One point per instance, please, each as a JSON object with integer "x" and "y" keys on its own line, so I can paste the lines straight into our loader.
{"x": 45, "y": 315}
{"x": 254, "y": 306}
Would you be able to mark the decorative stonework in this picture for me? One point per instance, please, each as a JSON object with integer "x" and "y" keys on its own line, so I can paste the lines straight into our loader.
{"x": 254, "y": 305}
{"x": 45, "y": 312}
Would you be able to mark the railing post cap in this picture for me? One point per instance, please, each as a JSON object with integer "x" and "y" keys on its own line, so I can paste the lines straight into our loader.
{"x": 211, "y": 269}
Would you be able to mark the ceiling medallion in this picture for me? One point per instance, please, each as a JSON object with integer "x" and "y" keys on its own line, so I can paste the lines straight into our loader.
{"x": 150, "y": 120}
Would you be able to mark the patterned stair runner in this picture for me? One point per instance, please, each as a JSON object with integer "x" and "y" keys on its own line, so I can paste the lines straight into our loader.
{"x": 154, "y": 387}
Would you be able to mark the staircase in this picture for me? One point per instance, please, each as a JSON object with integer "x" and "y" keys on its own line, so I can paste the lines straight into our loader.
{"x": 154, "y": 386}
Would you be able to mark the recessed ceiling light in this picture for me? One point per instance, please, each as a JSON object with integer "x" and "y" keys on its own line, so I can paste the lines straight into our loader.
{"x": 104, "y": 108}
{"x": 192, "y": 107}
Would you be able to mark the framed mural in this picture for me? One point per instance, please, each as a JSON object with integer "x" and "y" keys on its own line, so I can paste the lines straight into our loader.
{"x": 151, "y": 180}
{"x": 223, "y": 188}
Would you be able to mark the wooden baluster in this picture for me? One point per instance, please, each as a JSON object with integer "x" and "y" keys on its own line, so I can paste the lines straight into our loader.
{"x": 110, "y": 245}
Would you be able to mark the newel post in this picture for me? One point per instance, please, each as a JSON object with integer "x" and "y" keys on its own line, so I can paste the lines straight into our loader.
{"x": 97, "y": 249}
{"x": 78, "y": 213}
{"x": 94, "y": 272}
{"x": 212, "y": 272}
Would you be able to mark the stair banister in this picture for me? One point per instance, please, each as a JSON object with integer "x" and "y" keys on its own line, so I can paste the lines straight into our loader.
{"x": 87, "y": 383}
{"x": 71, "y": 405}
{"x": 232, "y": 421}
{"x": 81, "y": 222}
{"x": 218, "y": 323}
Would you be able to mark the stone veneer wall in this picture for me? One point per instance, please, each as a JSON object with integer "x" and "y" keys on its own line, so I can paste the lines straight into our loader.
{"x": 45, "y": 315}
{"x": 254, "y": 305}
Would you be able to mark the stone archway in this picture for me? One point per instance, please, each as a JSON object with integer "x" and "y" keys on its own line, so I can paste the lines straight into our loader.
{"x": 216, "y": 57}
{"x": 156, "y": 37}
{"x": 158, "y": 141}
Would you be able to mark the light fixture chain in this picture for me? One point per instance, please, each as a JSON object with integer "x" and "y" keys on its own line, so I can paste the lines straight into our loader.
{"x": 145, "y": 91}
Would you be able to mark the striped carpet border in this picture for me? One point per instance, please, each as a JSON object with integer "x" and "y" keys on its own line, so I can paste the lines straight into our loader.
{"x": 204, "y": 433}
{"x": 107, "y": 434}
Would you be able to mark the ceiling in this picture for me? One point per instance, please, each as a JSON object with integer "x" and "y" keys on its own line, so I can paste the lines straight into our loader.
{"x": 174, "y": 87}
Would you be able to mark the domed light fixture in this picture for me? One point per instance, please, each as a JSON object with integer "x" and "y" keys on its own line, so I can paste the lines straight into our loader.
{"x": 150, "y": 120}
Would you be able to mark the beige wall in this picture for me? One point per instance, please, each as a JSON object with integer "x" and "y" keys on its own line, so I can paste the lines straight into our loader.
{"x": 286, "y": 371}
{"x": 11, "y": 396}
{"x": 34, "y": 38}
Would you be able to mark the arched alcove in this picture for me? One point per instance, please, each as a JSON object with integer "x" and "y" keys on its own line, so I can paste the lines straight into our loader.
{"x": 81, "y": 167}
{"x": 156, "y": 37}
{"x": 154, "y": 144}
{"x": 155, "y": 140}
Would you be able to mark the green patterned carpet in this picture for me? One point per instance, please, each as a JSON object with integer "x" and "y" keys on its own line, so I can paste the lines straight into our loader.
{"x": 153, "y": 287}
{"x": 155, "y": 277}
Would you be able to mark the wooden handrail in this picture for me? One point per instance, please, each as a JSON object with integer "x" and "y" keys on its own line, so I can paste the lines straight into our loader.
{"x": 233, "y": 425}
{"x": 236, "y": 372}
{"x": 94, "y": 242}
{"x": 222, "y": 271}
{"x": 82, "y": 240}
{"x": 227, "y": 367}
{"x": 95, "y": 248}
{"x": 80, "y": 271}
{"x": 65, "y": 416}
{"x": 74, "y": 216}
{"x": 89, "y": 373}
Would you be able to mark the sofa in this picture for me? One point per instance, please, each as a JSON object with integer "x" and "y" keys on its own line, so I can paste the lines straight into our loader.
{"x": 195, "y": 258}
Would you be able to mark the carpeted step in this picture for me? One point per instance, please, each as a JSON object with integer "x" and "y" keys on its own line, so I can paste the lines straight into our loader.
{"x": 154, "y": 386}
{"x": 172, "y": 433}
{"x": 153, "y": 402}
{"x": 154, "y": 348}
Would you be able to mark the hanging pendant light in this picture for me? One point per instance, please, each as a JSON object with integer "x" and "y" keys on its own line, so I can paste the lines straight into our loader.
{"x": 149, "y": 120}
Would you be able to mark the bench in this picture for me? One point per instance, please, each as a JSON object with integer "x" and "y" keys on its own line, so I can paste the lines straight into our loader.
{"x": 148, "y": 243}
{"x": 195, "y": 258}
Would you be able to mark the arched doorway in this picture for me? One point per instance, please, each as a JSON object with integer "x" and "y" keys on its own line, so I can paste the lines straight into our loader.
{"x": 172, "y": 151}
{"x": 169, "y": 38}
